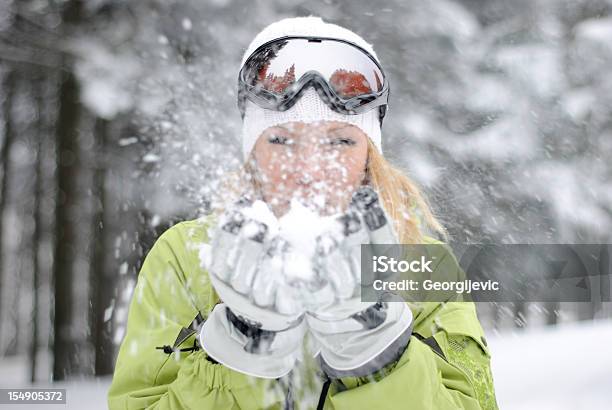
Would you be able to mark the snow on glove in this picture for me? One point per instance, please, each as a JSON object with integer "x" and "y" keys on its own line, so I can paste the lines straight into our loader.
{"x": 254, "y": 331}
{"x": 357, "y": 338}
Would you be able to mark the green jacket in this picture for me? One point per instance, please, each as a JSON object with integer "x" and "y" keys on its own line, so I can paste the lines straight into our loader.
{"x": 445, "y": 366}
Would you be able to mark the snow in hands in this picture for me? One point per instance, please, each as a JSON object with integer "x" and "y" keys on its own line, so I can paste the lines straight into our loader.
{"x": 300, "y": 262}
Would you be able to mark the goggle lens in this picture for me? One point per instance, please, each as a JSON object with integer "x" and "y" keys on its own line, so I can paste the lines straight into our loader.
{"x": 347, "y": 70}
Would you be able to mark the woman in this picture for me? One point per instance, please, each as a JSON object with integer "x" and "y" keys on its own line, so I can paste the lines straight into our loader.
{"x": 206, "y": 335}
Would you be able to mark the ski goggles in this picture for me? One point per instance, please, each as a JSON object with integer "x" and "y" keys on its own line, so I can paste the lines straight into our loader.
{"x": 347, "y": 78}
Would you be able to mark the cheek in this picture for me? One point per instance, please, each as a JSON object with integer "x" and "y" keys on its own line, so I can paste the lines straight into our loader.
{"x": 347, "y": 169}
{"x": 270, "y": 164}
{"x": 276, "y": 176}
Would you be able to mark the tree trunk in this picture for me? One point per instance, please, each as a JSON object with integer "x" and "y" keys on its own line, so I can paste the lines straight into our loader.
{"x": 37, "y": 234}
{"x": 552, "y": 313}
{"x": 101, "y": 282}
{"x": 65, "y": 347}
{"x": 9, "y": 137}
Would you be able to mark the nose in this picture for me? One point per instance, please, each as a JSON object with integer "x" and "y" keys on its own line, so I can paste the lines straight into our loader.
{"x": 309, "y": 167}
{"x": 308, "y": 170}
{"x": 305, "y": 178}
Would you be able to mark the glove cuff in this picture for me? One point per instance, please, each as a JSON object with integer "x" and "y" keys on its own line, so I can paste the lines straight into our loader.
{"x": 368, "y": 349}
{"x": 247, "y": 349}
{"x": 388, "y": 356}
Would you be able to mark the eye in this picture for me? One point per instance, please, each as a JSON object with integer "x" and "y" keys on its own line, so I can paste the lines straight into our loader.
{"x": 280, "y": 139}
{"x": 342, "y": 141}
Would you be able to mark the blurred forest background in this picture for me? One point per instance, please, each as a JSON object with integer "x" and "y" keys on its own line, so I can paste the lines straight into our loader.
{"x": 118, "y": 117}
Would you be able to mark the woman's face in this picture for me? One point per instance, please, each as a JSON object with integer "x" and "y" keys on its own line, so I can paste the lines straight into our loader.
{"x": 319, "y": 163}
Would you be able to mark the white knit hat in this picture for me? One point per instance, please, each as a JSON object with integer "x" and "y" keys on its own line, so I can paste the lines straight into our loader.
{"x": 310, "y": 107}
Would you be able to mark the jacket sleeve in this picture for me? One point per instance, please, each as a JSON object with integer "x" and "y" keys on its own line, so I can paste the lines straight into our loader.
{"x": 166, "y": 299}
{"x": 446, "y": 364}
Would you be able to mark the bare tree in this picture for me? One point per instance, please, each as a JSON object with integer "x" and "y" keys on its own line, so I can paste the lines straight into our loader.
{"x": 101, "y": 284}
{"x": 9, "y": 137}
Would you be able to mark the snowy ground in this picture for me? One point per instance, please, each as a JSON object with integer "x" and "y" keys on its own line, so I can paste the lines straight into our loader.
{"x": 567, "y": 367}
{"x": 87, "y": 394}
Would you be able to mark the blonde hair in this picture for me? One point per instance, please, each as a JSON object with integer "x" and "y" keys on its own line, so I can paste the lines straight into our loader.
{"x": 402, "y": 198}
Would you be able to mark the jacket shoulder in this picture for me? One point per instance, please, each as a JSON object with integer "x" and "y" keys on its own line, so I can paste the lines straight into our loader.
{"x": 193, "y": 230}
{"x": 188, "y": 243}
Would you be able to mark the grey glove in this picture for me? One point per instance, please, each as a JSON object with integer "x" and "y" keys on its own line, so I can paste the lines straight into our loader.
{"x": 255, "y": 331}
{"x": 357, "y": 338}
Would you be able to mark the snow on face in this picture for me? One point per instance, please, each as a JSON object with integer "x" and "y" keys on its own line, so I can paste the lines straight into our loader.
{"x": 319, "y": 163}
